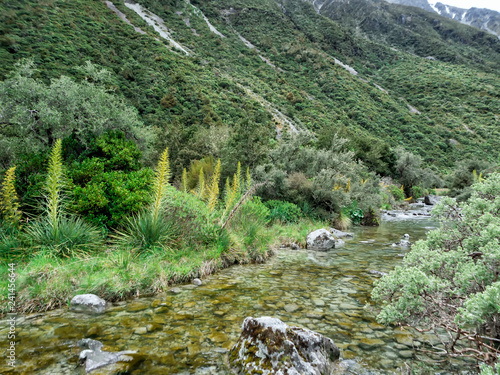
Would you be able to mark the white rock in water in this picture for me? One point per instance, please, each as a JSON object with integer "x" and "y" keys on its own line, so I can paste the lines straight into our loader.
{"x": 320, "y": 240}
{"x": 87, "y": 303}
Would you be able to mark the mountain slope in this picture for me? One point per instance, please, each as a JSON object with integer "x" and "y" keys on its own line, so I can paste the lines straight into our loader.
{"x": 274, "y": 65}
{"x": 484, "y": 19}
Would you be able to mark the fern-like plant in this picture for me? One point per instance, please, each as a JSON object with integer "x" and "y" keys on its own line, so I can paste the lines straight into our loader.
{"x": 8, "y": 199}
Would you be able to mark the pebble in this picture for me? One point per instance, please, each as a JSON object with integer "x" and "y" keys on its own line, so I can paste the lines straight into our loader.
{"x": 291, "y": 308}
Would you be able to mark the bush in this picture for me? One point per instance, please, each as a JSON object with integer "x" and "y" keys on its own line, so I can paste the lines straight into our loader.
{"x": 397, "y": 192}
{"x": 284, "y": 212}
{"x": 450, "y": 280}
{"x": 107, "y": 182}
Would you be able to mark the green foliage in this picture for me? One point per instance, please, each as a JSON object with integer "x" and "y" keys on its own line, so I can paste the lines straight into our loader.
{"x": 283, "y": 212}
{"x": 196, "y": 222}
{"x": 353, "y": 212}
{"x": 149, "y": 229}
{"x": 71, "y": 237}
{"x": 326, "y": 180}
{"x": 410, "y": 172}
{"x": 397, "y": 192}
{"x": 462, "y": 176}
{"x": 143, "y": 232}
{"x": 107, "y": 182}
{"x": 34, "y": 114}
{"x": 249, "y": 223}
{"x": 449, "y": 280}
{"x": 57, "y": 232}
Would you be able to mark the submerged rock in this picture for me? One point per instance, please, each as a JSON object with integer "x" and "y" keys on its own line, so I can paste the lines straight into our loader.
{"x": 404, "y": 242}
{"x": 87, "y": 303}
{"x": 93, "y": 358}
{"x": 269, "y": 346}
{"x": 320, "y": 240}
{"x": 339, "y": 234}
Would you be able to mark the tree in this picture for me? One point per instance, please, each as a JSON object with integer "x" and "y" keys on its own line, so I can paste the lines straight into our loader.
{"x": 33, "y": 115}
{"x": 450, "y": 280}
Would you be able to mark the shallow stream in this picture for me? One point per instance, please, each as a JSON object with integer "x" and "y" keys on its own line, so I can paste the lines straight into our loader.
{"x": 189, "y": 332}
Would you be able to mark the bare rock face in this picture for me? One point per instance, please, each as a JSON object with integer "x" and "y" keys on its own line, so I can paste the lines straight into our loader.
{"x": 88, "y": 303}
{"x": 269, "y": 346}
{"x": 320, "y": 240}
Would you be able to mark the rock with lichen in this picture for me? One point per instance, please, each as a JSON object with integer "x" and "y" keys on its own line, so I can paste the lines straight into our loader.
{"x": 269, "y": 346}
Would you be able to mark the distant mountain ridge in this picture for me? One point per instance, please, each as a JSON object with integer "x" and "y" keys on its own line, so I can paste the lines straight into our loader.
{"x": 484, "y": 19}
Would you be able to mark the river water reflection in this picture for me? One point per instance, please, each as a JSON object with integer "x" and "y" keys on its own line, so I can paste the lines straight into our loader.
{"x": 191, "y": 330}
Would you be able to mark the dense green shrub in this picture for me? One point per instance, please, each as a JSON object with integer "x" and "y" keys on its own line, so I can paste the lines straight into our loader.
{"x": 450, "y": 280}
{"x": 107, "y": 182}
{"x": 284, "y": 212}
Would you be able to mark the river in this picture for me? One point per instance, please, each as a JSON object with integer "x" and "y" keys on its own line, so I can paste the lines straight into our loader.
{"x": 189, "y": 332}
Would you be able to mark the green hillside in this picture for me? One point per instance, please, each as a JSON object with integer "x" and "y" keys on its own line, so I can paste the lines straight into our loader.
{"x": 444, "y": 111}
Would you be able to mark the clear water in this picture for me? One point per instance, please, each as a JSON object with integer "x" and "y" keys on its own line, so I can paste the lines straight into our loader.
{"x": 190, "y": 331}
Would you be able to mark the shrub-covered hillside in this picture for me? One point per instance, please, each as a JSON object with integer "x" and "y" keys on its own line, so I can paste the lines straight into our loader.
{"x": 260, "y": 64}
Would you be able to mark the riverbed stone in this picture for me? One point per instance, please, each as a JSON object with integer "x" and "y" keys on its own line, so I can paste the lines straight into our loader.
{"x": 339, "y": 234}
{"x": 406, "y": 354}
{"x": 197, "y": 282}
{"x": 370, "y": 344}
{"x": 95, "y": 360}
{"x": 291, "y": 308}
{"x": 320, "y": 240}
{"x": 175, "y": 290}
{"x": 268, "y": 345}
{"x": 87, "y": 303}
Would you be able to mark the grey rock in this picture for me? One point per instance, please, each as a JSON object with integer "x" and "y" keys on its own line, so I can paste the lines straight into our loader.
{"x": 404, "y": 242}
{"x": 93, "y": 358}
{"x": 175, "y": 290}
{"x": 320, "y": 240}
{"x": 197, "y": 282}
{"x": 339, "y": 243}
{"x": 294, "y": 350}
{"x": 87, "y": 303}
{"x": 294, "y": 246}
{"x": 339, "y": 234}
{"x": 431, "y": 200}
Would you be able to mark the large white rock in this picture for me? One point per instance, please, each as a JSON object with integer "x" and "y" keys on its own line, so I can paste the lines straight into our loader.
{"x": 269, "y": 346}
{"x": 87, "y": 303}
{"x": 320, "y": 240}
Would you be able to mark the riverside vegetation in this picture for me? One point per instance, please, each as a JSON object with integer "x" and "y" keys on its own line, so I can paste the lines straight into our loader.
{"x": 128, "y": 166}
